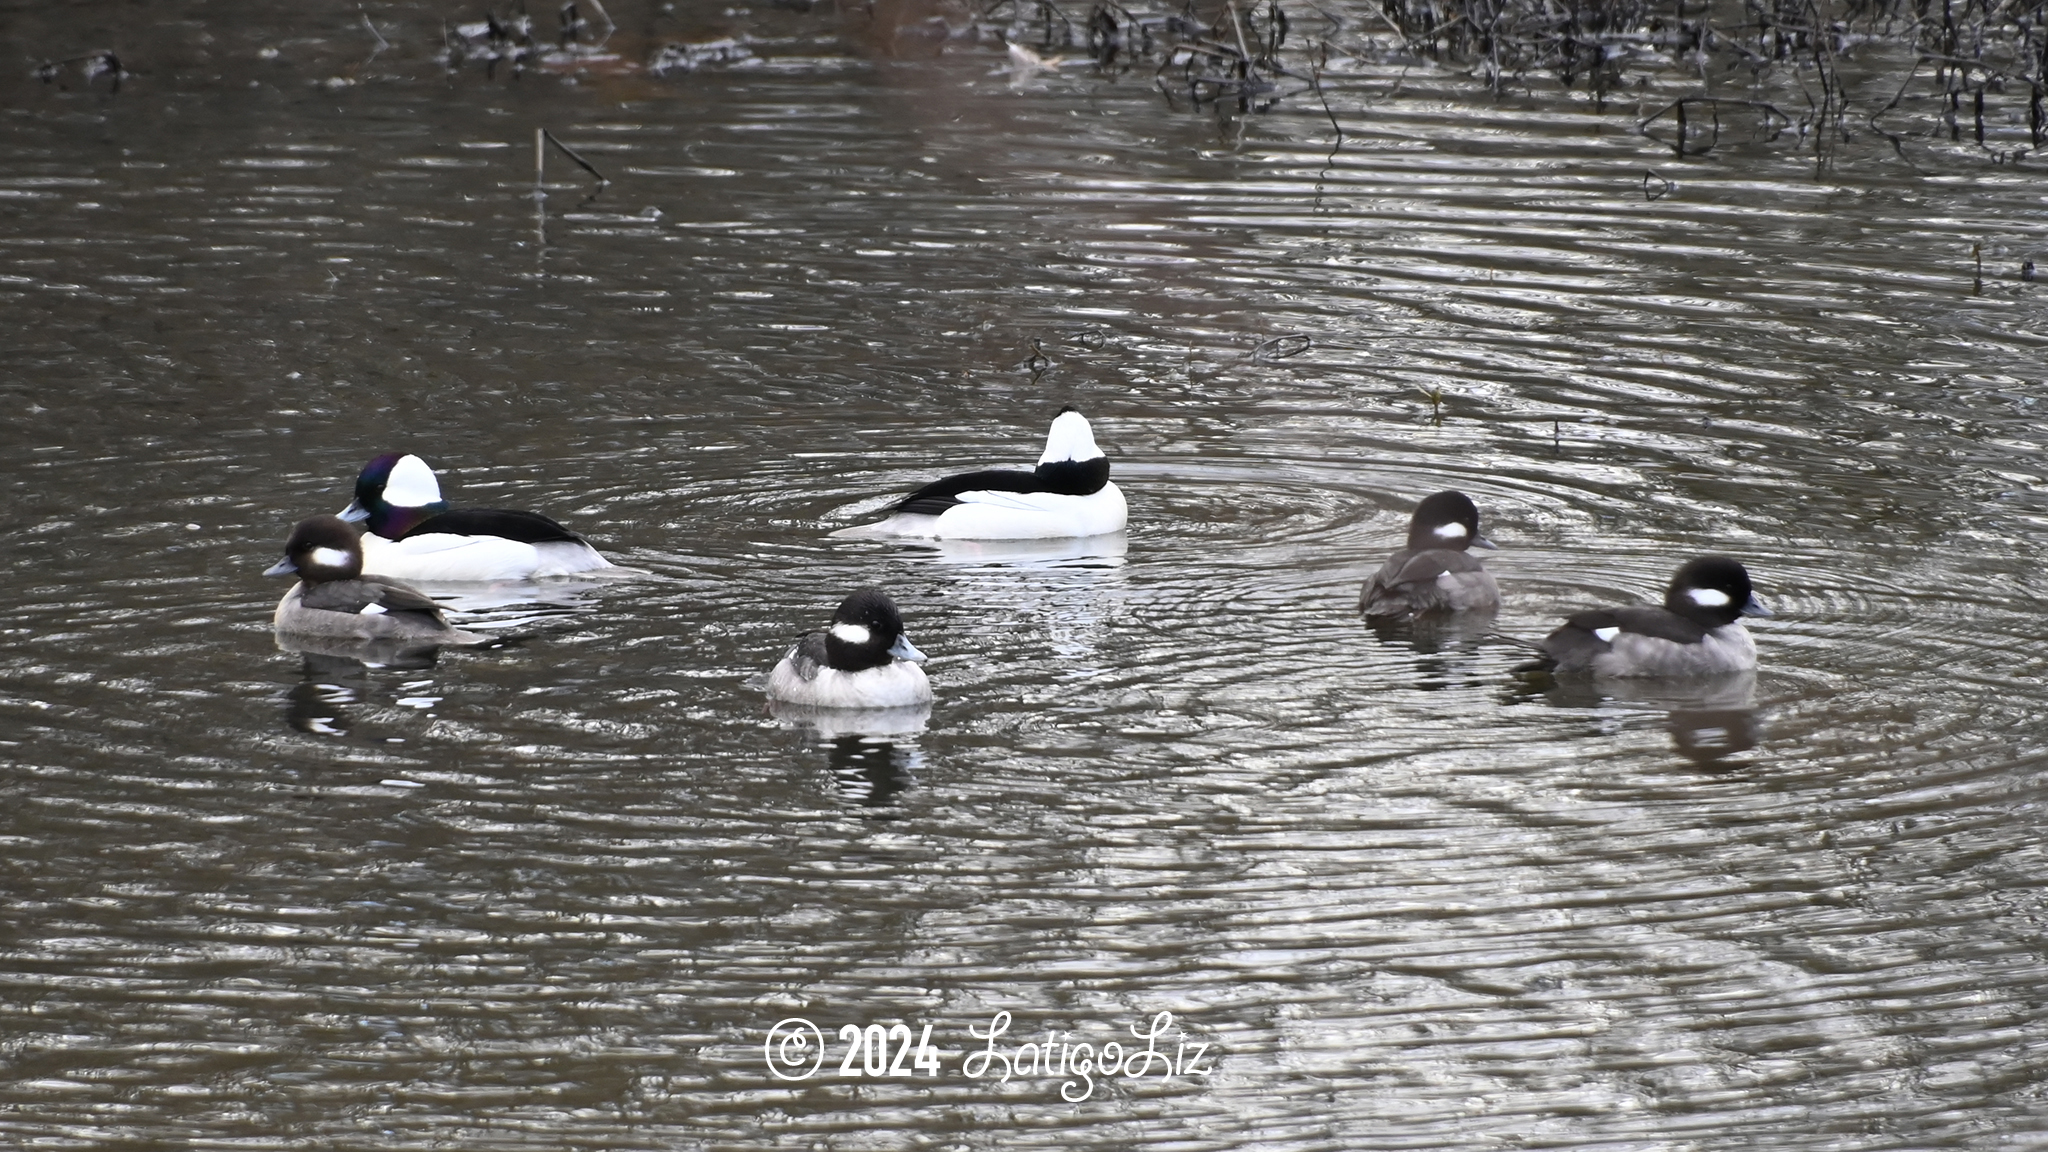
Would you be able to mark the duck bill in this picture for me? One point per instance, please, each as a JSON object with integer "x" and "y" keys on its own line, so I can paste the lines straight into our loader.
{"x": 283, "y": 567}
{"x": 1755, "y": 607}
{"x": 1483, "y": 542}
{"x": 903, "y": 649}
{"x": 355, "y": 513}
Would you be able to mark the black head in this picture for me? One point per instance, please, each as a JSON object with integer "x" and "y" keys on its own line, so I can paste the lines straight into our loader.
{"x": 320, "y": 549}
{"x": 1713, "y": 591}
{"x": 866, "y": 632}
{"x": 1446, "y": 520}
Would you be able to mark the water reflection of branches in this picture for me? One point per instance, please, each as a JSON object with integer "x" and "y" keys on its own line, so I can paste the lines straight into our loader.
{"x": 1974, "y": 64}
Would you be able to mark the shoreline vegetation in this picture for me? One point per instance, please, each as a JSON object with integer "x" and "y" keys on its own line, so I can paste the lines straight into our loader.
{"x": 1971, "y": 73}
{"x": 1964, "y": 77}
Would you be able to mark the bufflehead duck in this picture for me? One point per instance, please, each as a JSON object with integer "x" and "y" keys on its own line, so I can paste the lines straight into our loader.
{"x": 1068, "y": 494}
{"x": 1698, "y": 631}
{"x": 1434, "y": 573}
{"x": 334, "y": 600}
{"x": 863, "y": 661}
{"x": 414, "y": 535}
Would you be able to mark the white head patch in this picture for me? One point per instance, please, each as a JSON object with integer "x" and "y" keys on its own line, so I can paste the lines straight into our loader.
{"x": 411, "y": 484}
{"x": 1708, "y": 597}
{"x": 1070, "y": 439}
{"x": 1607, "y": 634}
{"x": 330, "y": 557}
{"x": 852, "y": 633}
{"x": 1452, "y": 531}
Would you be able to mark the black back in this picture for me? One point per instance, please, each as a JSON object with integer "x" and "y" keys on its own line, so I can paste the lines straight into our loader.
{"x": 525, "y": 527}
{"x": 1643, "y": 620}
{"x": 1062, "y": 477}
{"x": 352, "y": 596}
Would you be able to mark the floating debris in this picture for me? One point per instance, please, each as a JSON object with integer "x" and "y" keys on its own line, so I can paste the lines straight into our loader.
{"x": 1233, "y": 58}
{"x": 692, "y": 56}
{"x": 89, "y": 68}
{"x": 1283, "y": 347}
{"x": 492, "y": 41}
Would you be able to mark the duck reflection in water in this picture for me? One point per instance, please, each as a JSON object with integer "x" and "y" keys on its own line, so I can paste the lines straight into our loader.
{"x": 335, "y": 680}
{"x": 1105, "y": 551}
{"x": 1710, "y": 718}
{"x": 872, "y": 752}
{"x": 1448, "y": 651}
{"x": 1438, "y": 632}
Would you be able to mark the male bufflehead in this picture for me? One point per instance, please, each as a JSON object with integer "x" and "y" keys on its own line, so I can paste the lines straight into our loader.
{"x": 863, "y": 661}
{"x": 414, "y": 535}
{"x": 1698, "y": 631}
{"x": 1434, "y": 573}
{"x": 1068, "y": 494}
{"x": 334, "y": 600}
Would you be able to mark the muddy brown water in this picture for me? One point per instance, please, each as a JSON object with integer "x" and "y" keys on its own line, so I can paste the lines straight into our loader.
{"x": 558, "y": 895}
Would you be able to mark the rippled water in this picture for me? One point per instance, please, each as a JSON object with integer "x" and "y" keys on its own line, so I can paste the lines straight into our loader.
{"x": 557, "y": 895}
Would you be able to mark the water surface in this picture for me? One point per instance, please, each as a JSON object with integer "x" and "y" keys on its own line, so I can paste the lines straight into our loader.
{"x": 557, "y": 895}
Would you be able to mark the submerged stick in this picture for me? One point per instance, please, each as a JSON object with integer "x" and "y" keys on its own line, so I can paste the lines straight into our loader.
{"x": 540, "y": 188}
{"x": 571, "y": 154}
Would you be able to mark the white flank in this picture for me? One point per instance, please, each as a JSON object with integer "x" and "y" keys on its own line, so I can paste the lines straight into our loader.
{"x": 371, "y": 610}
{"x": 1451, "y": 531}
{"x": 1070, "y": 439}
{"x": 1607, "y": 634}
{"x": 852, "y": 633}
{"x": 330, "y": 558}
{"x": 411, "y": 484}
{"x": 899, "y": 684}
{"x": 441, "y": 556}
{"x": 1708, "y": 597}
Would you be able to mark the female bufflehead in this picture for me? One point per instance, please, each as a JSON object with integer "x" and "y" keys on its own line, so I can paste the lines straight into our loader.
{"x": 1698, "y": 631}
{"x": 1068, "y": 494}
{"x": 414, "y": 535}
{"x": 863, "y": 661}
{"x": 1434, "y": 573}
{"x": 334, "y": 600}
